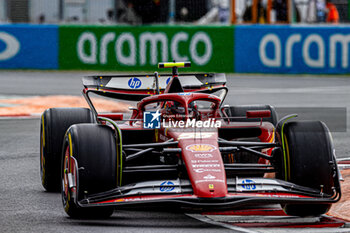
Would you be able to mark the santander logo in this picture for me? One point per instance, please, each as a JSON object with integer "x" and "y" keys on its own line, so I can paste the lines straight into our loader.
{"x": 12, "y": 46}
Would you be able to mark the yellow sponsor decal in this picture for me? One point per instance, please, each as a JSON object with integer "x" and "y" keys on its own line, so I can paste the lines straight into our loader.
{"x": 201, "y": 148}
{"x": 211, "y": 186}
{"x": 120, "y": 200}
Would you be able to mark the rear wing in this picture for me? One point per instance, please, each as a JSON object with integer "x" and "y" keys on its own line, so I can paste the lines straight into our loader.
{"x": 137, "y": 87}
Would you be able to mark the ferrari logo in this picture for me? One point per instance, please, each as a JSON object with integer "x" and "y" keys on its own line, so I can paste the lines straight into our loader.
{"x": 211, "y": 186}
{"x": 201, "y": 148}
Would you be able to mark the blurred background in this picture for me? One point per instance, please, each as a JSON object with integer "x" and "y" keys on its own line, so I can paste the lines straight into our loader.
{"x": 232, "y": 36}
{"x": 136, "y": 12}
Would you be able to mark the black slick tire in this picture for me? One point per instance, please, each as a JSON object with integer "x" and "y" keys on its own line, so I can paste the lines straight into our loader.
{"x": 54, "y": 124}
{"x": 93, "y": 148}
{"x": 309, "y": 162}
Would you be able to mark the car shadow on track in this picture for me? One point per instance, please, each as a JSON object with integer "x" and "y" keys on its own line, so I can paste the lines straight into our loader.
{"x": 145, "y": 219}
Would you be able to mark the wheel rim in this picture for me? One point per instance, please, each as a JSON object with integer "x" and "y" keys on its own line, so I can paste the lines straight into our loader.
{"x": 65, "y": 187}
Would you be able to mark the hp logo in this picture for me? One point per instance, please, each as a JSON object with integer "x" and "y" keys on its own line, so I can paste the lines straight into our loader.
{"x": 248, "y": 184}
{"x": 166, "y": 186}
{"x": 134, "y": 83}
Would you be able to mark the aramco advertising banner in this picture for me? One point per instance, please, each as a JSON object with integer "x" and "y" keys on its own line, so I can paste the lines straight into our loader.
{"x": 241, "y": 49}
{"x": 292, "y": 49}
{"x": 209, "y": 48}
{"x": 28, "y": 46}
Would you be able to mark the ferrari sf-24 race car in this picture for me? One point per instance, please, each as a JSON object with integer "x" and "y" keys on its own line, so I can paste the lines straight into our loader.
{"x": 181, "y": 146}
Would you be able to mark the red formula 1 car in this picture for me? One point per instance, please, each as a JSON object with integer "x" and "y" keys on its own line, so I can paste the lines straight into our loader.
{"x": 182, "y": 147}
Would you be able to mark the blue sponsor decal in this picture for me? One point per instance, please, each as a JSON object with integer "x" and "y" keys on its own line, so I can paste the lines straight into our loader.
{"x": 151, "y": 120}
{"x": 134, "y": 83}
{"x": 292, "y": 49}
{"x": 164, "y": 187}
{"x": 184, "y": 93}
{"x": 29, "y": 46}
{"x": 248, "y": 184}
{"x": 168, "y": 80}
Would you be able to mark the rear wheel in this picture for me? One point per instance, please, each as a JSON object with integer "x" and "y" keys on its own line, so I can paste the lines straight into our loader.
{"x": 89, "y": 166}
{"x": 54, "y": 124}
{"x": 308, "y": 161}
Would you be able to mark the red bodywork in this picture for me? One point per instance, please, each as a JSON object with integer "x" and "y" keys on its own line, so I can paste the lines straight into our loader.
{"x": 200, "y": 148}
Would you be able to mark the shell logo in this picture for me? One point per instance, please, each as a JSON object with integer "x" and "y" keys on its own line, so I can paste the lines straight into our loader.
{"x": 201, "y": 148}
{"x": 12, "y": 46}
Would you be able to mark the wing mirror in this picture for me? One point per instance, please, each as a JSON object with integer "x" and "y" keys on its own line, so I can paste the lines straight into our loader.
{"x": 258, "y": 113}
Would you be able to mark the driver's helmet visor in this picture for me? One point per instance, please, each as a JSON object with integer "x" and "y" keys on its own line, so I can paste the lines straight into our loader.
{"x": 175, "y": 107}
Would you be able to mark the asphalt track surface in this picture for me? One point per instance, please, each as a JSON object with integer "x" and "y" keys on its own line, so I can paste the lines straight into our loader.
{"x": 26, "y": 207}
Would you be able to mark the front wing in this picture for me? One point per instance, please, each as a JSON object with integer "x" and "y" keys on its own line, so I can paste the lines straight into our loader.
{"x": 241, "y": 191}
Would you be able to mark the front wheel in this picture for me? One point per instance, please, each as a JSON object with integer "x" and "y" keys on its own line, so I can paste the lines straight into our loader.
{"x": 308, "y": 161}
{"x": 89, "y": 166}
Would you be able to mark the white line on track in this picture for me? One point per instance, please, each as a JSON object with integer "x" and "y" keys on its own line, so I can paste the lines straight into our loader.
{"x": 209, "y": 221}
{"x": 216, "y": 220}
{"x": 263, "y": 219}
{"x": 302, "y": 230}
